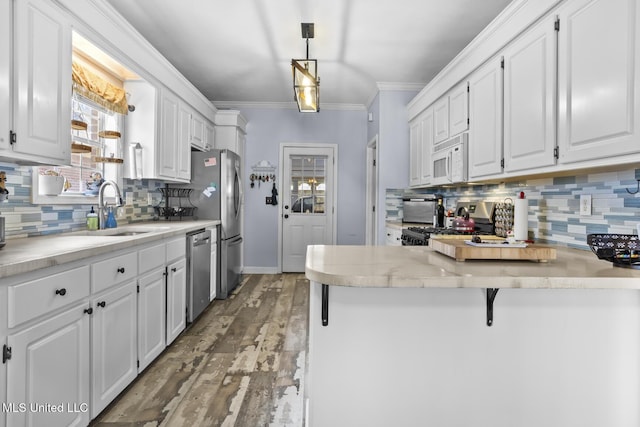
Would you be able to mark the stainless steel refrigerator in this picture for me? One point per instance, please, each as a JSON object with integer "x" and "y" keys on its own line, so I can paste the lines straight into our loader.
{"x": 217, "y": 193}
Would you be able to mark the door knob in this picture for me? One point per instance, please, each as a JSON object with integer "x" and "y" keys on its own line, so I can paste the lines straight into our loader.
{"x": 88, "y": 310}
{"x": 286, "y": 216}
{"x": 62, "y": 292}
{"x": 102, "y": 304}
{"x": 286, "y": 206}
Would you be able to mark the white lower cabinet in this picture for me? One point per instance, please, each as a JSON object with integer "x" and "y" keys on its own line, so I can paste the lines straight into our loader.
{"x": 76, "y": 337}
{"x": 49, "y": 365}
{"x": 394, "y": 236}
{"x": 151, "y": 316}
{"x": 213, "y": 278}
{"x": 176, "y": 299}
{"x": 114, "y": 335}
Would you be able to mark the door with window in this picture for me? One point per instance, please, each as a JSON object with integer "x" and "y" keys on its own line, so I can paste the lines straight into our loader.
{"x": 307, "y": 202}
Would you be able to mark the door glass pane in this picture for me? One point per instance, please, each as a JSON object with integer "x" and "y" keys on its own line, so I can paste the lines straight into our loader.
{"x": 308, "y": 175}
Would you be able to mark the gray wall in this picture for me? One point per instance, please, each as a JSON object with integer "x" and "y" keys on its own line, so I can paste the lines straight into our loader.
{"x": 266, "y": 130}
{"x": 391, "y": 125}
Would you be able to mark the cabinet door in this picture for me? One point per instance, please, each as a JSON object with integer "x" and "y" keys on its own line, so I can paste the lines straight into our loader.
{"x": 529, "y": 99}
{"x": 183, "y": 145}
{"x": 441, "y": 119}
{"x": 209, "y": 132}
{"x": 151, "y": 316}
{"x": 459, "y": 109}
{"x": 42, "y": 72}
{"x": 598, "y": 83}
{"x": 50, "y": 364}
{"x": 5, "y": 73}
{"x": 415, "y": 152}
{"x": 213, "y": 278}
{"x": 394, "y": 237}
{"x": 167, "y": 165}
{"x": 485, "y": 113}
{"x": 197, "y": 131}
{"x": 176, "y": 299}
{"x": 426, "y": 145}
{"x": 114, "y": 334}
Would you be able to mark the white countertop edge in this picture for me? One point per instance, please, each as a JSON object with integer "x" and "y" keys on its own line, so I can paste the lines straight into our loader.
{"x": 424, "y": 268}
{"x": 33, "y": 253}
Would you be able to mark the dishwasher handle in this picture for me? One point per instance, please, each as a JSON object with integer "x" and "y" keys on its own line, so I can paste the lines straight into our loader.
{"x": 201, "y": 238}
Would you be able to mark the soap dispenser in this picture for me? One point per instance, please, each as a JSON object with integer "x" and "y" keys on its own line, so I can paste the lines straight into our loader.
{"x": 111, "y": 219}
{"x": 92, "y": 220}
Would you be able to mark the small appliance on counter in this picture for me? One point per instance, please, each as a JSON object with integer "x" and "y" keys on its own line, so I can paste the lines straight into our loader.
{"x": 422, "y": 208}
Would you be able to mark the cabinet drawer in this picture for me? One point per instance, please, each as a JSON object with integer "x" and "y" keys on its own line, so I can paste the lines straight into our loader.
{"x": 150, "y": 258}
{"x": 37, "y": 297}
{"x": 113, "y": 271}
{"x": 176, "y": 248}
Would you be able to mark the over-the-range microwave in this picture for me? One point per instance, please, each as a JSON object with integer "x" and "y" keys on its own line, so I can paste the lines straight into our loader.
{"x": 449, "y": 162}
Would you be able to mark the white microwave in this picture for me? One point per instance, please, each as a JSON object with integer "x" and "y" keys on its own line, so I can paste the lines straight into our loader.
{"x": 449, "y": 161}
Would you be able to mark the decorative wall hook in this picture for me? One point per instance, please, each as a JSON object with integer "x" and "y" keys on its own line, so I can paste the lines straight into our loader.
{"x": 637, "y": 189}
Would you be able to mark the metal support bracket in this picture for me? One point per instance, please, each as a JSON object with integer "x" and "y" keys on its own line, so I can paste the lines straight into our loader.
{"x": 491, "y": 296}
{"x": 325, "y": 305}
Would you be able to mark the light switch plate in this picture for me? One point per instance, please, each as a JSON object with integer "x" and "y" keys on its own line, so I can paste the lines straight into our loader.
{"x": 129, "y": 199}
{"x": 585, "y": 205}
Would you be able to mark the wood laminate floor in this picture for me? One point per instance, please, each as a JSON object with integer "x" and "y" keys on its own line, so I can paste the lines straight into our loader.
{"x": 241, "y": 364}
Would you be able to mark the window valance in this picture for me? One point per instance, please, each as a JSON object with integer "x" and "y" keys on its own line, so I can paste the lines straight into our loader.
{"x": 91, "y": 86}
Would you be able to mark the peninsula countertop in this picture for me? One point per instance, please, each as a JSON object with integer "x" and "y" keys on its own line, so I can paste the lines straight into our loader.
{"x": 33, "y": 253}
{"x": 422, "y": 267}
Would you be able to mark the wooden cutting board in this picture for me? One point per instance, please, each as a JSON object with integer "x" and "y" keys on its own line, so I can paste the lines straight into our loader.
{"x": 460, "y": 251}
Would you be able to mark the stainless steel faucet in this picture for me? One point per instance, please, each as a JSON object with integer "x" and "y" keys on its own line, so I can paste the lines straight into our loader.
{"x": 102, "y": 206}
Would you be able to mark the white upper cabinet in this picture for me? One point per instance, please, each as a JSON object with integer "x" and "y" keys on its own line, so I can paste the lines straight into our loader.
{"x": 426, "y": 145}
{"x": 415, "y": 152}
{"x": 42, "y": 83}
{"x": 451, "y": 113}
{"x": 441, "y": 119}
{"x": 529, "y": 98}
{"x": 197, "y": 131}
{"x": 485, "y": 114}
{"x": 209, "y": 139}
{"x": 421, "y": 137}
{"x": 459, "y": 109}
{"x": 598, "y": 84}
{"x": 5, "y": 74}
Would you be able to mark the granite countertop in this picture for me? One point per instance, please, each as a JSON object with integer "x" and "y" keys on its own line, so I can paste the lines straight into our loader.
{"x": 420, "y": 266}
{"x": 33, "y": 253}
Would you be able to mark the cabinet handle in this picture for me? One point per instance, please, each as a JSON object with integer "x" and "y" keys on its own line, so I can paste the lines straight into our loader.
{"x": 121, "y": 270}
{"x": 101, "y": 304}
{"x": 62, "y": 292}
{"x": 88, "y": 310}
{"x": 174, "y": 269}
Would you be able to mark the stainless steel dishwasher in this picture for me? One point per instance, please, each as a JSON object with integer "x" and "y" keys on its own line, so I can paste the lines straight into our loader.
{"x": 198, "y": 272}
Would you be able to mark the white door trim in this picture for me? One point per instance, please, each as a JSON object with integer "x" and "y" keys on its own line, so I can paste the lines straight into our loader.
{"x": 302, "y": 147}
{"x": 371, "y": 218}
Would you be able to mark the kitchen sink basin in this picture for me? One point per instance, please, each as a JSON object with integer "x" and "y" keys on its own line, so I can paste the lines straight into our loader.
{"x": 120, "y": 232}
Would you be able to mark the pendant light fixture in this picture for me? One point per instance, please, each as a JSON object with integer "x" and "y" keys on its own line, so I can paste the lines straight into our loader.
{"x": 306, "y": 83}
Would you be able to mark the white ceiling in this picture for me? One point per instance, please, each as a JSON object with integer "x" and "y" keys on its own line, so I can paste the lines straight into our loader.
{"x": 240, "y": 51}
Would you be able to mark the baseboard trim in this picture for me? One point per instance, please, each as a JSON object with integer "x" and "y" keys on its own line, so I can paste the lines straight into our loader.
{"x": 259, "y": 270}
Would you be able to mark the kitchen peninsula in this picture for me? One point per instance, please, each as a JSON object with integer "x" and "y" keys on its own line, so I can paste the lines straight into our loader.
{"x": 407, "y": 342}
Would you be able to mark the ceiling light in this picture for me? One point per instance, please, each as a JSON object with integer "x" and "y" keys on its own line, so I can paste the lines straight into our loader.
{"x": 306, "y": 83}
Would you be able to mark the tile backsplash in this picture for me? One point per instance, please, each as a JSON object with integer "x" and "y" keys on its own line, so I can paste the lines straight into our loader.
{"x": 554, "y": 204}
{"x": 24, "y": 219}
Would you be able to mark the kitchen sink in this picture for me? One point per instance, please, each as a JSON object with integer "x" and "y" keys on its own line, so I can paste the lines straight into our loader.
{"x": 119, "y": 232}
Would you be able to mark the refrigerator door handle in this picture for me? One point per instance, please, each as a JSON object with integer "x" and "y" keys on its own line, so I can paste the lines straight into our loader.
{"x": 235, "y": 241}
{"x": 240, "y": 192}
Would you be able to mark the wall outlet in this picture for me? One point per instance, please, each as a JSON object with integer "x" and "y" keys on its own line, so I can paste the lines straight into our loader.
{"x": 268, "y": 201}
{"x": 149, "y": 199}
{"x": 585, "y": 205}
{"x": 128, "y": 199}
